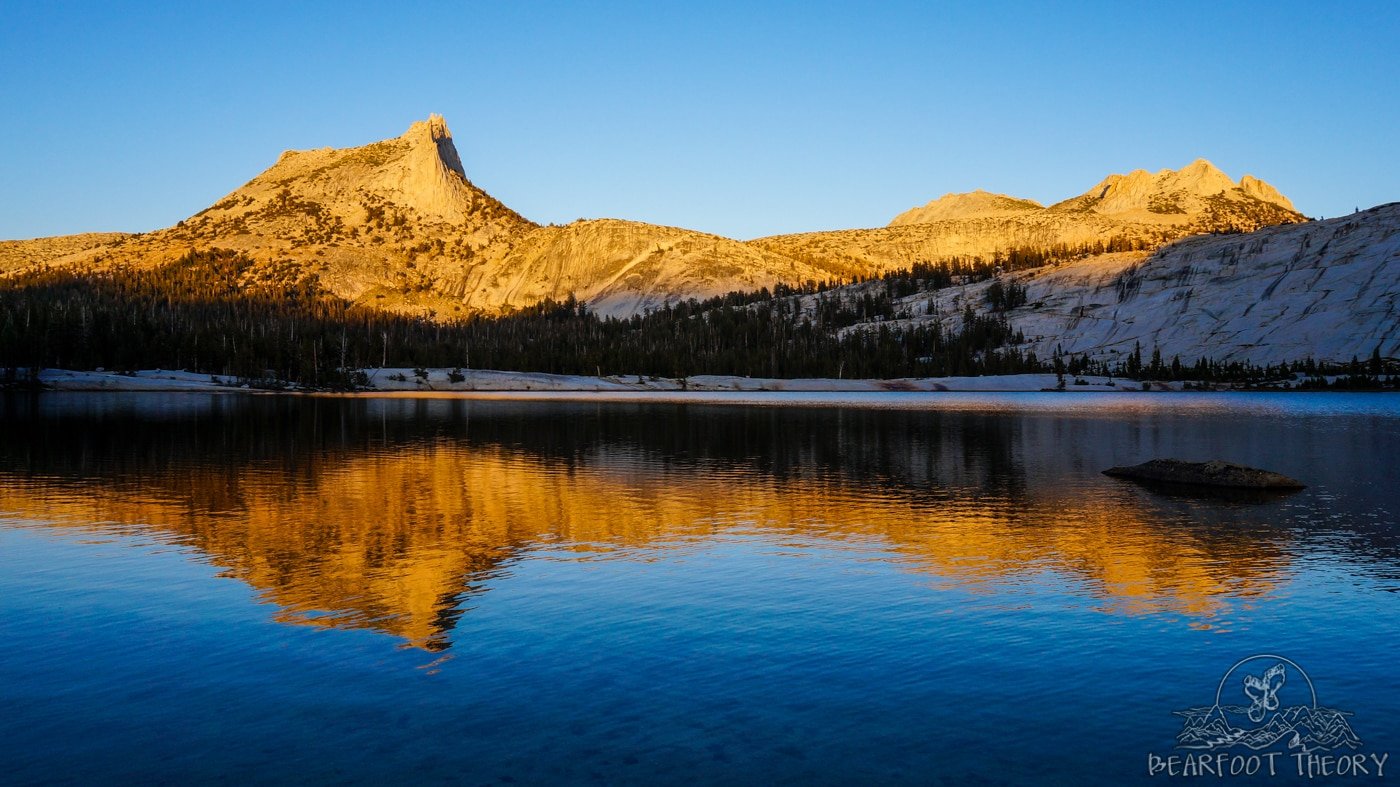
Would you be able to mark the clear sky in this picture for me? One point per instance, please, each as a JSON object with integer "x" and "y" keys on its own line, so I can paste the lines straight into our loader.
{"x": 743, "y": 119}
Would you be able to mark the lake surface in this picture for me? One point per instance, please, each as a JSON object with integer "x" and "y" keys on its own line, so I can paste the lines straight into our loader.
{"x": 911, "y": 588}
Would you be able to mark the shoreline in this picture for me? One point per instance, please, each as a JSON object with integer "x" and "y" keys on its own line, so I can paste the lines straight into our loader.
{"x": 485, "y": 383}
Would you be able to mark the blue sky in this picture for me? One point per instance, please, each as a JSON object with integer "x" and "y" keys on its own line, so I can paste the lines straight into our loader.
{"x": 744, "y": 119}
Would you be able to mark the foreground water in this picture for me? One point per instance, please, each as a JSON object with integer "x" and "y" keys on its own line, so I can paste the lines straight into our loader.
{"x": 919, "y": 588}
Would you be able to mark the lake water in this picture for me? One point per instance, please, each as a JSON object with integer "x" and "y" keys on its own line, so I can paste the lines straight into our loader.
{"x": 910, "y": 588}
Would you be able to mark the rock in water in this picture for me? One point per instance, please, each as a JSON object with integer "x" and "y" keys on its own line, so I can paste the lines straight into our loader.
{"x": 1213, "y": 473}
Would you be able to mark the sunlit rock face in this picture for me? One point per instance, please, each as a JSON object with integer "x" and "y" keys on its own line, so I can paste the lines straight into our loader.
{"x": 60, "y": 250}
{"x": 1329, "y": 290}
{"x": 382, "y": 224}
{"x": 973, "y": 204}
{"x": 869, "y": 251}
{"x": 397, "y": 225}
{"x": 1262, "y": 191}
{"x": 622, "y": 268}
{"x": 1198, "y": 194}
{"x": 1139, "y": 210}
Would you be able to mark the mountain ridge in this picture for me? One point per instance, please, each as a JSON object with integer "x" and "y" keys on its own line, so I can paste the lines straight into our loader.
{"x": 1167, "y": 196}
{"x": 1327, "y": 290}
{"x": 397, "y": 225}
{"x": 1174, "y": 195}
{"x": 970, "y": 204}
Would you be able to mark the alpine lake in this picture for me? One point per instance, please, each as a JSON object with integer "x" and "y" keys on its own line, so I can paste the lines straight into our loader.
{"x": 780, "y": 589}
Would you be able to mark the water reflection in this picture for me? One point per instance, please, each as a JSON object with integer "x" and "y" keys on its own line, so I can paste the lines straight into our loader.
{"x": 393, "y": 515}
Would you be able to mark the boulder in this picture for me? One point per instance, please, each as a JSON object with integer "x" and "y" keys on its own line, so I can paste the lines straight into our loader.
{"x": 1213, "y": 473}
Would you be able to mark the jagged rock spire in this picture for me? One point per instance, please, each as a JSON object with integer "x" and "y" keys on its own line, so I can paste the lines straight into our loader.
{"x": 434, "y": 131}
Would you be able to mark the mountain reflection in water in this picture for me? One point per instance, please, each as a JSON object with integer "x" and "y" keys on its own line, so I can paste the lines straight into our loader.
{"x": 393, "y": 514}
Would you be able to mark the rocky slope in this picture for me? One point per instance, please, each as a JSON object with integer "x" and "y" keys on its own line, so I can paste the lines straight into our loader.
{"x": 397, "y": 225}
{"x": 1327, "y": 289}
{"x": 973, "y": 204}
{"x": 622, "y": 267}
{"x": 60, "y": 250}
{"x": 1196, "y": 194}
{"x": 1139, "y": 209}
{"x": 872, "y": 251}
{"x": 381, "y": 224}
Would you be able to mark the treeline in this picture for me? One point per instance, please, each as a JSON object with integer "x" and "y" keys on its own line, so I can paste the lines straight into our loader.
{"x": 1307, "y": 374}
{"x": 197, "y": 314}
{"x": 928, "y": 276}
{"x": 194, "y": 314}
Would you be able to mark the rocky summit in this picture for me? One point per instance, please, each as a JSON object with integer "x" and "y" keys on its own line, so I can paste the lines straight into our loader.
{"x": 1198, "y": 196}
{"x": 1139, "y": 210}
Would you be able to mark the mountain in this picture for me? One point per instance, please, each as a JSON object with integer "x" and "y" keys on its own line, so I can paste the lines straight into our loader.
{"x": 412, "y": 185}
{"x": 1329, "y": 290}
{"x": 1189, "y": 262}
{"x": 379, "y": 224}
{"x": 874, "y": 251}
{"x": 60, "y": 250}
{"x": 973, "y": 204}
{"x": 1198, "y": 195}
{"x": 1137, "y": 210}
{"x": 397, "y": 225}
